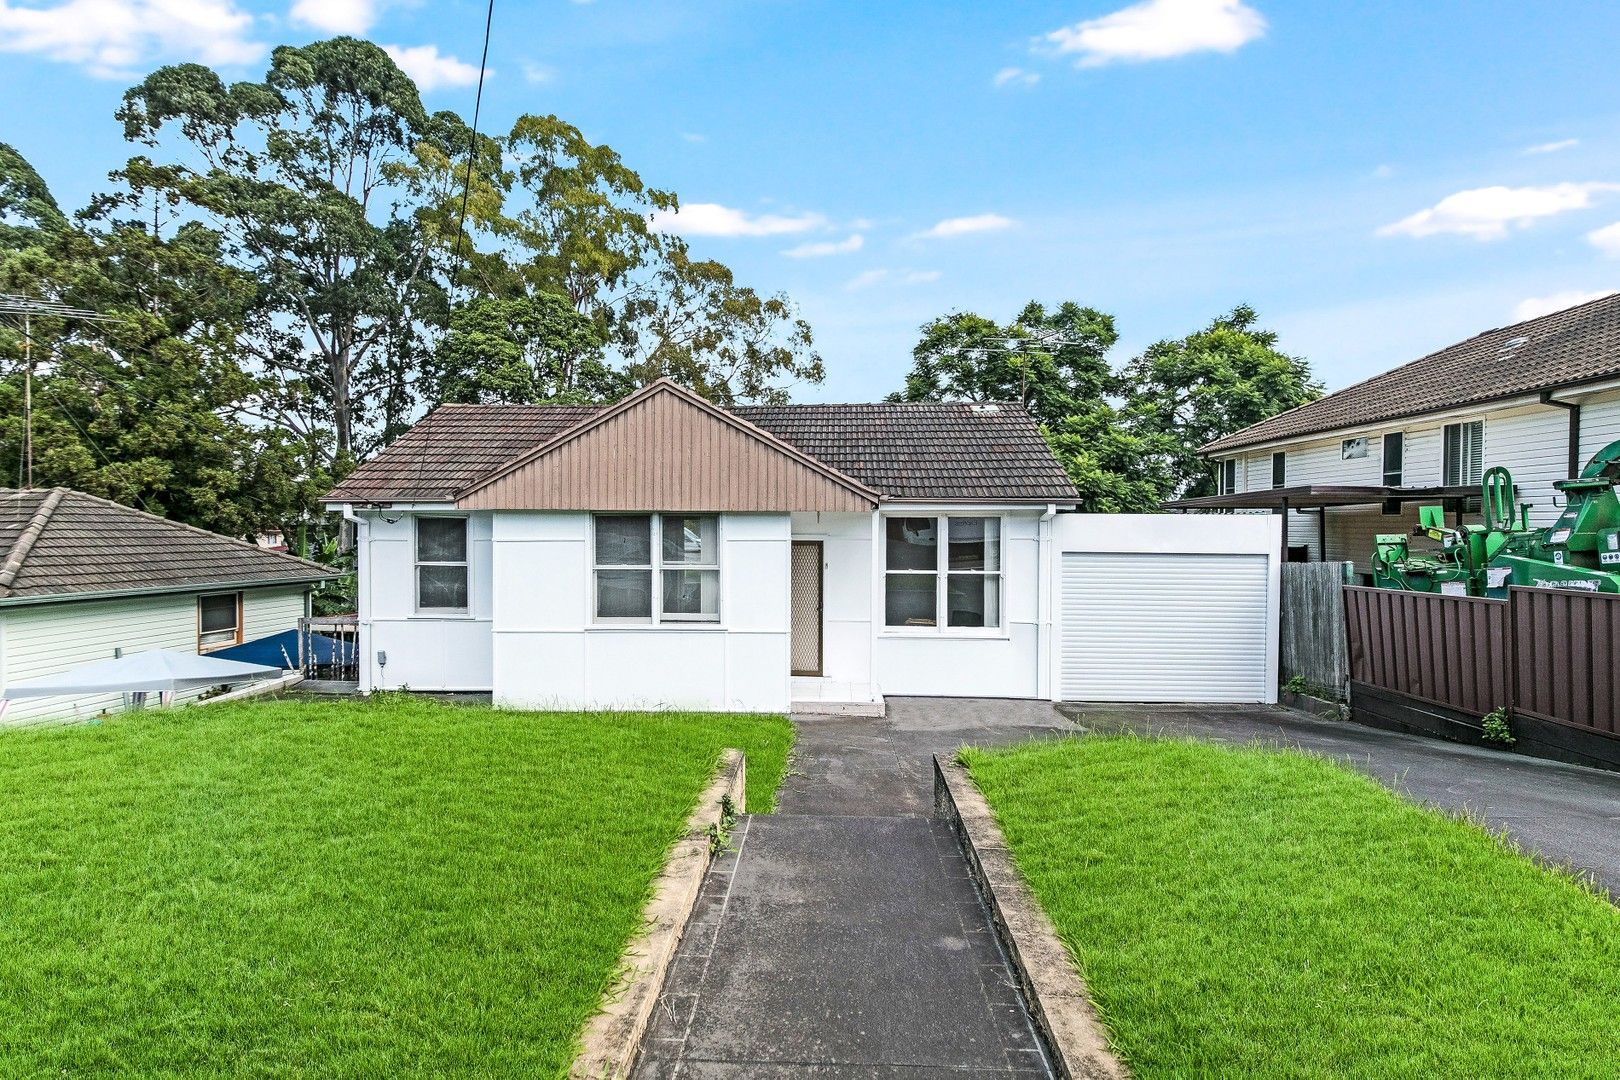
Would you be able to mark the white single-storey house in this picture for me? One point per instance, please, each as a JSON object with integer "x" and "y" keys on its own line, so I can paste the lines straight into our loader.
{"x": 1539, "y": 397}
{"x": 666, "y": 552}
{"x": 83, "y": 579}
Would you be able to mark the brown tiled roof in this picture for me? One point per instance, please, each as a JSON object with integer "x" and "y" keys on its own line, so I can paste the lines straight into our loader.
{"x": 60, "y": 543}
{"x": 925, "y": 450}
{"x": 902, "y": 450}
{"x": 1576, "y": 345}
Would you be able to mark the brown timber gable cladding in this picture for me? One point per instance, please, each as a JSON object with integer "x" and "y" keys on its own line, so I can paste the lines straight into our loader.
{"x": 665, "y": 448}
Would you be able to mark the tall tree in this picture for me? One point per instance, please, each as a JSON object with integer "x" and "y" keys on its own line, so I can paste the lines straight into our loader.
{"x": 28, "y": 211}
{"x": 308, "y": 175}
{"x": 1054, "y": 363}
{"x": 522, "y": 351}
{"x": 1211, "y": 383}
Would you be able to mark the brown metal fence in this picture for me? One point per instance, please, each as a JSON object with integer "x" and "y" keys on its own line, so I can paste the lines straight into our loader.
{"x": 1566, "y": 664}
{"x": 1453, "y": 651}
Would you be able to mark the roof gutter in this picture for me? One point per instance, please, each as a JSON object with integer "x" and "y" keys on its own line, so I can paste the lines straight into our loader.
{"x": 191, "y": 587}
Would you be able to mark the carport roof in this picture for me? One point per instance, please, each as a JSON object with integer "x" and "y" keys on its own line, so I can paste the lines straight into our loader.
{"x": 1305, "y": 496}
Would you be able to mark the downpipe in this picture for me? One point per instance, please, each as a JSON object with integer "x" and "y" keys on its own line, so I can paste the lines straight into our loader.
{"x": 1045, "y": 646}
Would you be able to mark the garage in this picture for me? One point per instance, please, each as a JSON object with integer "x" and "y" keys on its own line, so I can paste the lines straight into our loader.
{"x": 1147, "y": 622}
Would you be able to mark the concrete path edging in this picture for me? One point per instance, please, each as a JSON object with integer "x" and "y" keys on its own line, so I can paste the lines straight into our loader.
{"x": 612, "y": 1038}
{"x": 1056, "y": 995}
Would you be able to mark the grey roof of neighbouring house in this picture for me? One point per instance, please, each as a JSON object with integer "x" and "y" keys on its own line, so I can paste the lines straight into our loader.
{"x": 61, "y": 544}
{"x": 1577, "y": 345}
{"x": 911, "y": 450}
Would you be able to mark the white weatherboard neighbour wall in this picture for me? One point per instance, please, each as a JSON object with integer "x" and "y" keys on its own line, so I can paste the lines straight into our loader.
{"x": 1531, "y": 440}
{"x": 550, "y": 653}
{"x": 45, "y": 639}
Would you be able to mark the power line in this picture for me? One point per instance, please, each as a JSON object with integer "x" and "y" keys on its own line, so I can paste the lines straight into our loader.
{"x": 472, "y": 146}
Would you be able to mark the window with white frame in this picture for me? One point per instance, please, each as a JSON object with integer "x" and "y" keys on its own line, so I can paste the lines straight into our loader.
{"x": 441, "y": 564}
{"x": 1464, "y": 453}
{"x": 942, "y": 570}
{"x": 1226, "y": 477}
{"x": 657, "y": 568}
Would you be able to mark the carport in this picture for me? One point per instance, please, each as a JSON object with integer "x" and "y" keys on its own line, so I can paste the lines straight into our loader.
{"x": 1164, "y": 608}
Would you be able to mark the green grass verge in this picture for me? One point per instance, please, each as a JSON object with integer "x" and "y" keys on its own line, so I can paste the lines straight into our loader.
{"x": 1259, "y": 912}
{"x": 336, "y": 889}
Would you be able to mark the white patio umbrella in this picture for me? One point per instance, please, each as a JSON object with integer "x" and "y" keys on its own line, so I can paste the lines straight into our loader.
{"x": 161, "y": 670}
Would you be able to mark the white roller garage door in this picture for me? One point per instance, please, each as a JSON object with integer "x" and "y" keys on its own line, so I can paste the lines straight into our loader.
{"x": 1159, "y": 627}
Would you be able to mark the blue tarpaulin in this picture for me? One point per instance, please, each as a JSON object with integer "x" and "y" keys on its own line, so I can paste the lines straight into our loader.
{"x": 281, "y": 650}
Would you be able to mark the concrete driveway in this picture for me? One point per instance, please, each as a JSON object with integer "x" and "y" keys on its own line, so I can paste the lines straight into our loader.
{"x": 842, "y": 935}
{"x": 1565, "y": 814}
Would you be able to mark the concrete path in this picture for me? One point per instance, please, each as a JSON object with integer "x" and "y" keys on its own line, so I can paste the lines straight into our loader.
{"x": 1567, "y": 814}
{"x": 842, "y": 936}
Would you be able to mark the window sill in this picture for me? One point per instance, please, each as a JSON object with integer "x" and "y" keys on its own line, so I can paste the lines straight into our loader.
{"x": 948, "y": 634}
{"x": 447, "y": 613}
{"x": 644, "y": 627}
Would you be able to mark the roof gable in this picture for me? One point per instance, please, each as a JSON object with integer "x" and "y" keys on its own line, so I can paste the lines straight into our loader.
{"x": 1580, "y": 344}
{"x": 59, "y": 544}
{"x": 666, "y": 448}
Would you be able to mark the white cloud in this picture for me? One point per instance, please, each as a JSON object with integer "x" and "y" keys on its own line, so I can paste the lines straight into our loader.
{"x": 818, "y": 249}
{"x": 1546, "y": 305}
{"x": 1606, "y": 240}
{"x": 694, "y": 137}
{"x": 884, "y": 276}
{"x": 337, "y": 16}
{"x": 712, "y": 219}
{"x": 1551, "y": 147}
{"x": 115, "y": 38}
{"x": 1014, "y": 76}
{"x": 1159, "y": 30}
{"x": 432, "y": 70}
{"x": 961, "y": 226}
{"x": 1383, "y": 172}
{"x": 1487, "y": 213}
{"x": 538, "y": 74}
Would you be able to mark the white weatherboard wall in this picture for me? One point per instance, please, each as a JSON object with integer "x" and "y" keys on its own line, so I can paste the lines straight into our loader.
{"x": 1532, "y": 441}
{"x": 46, "y": 639}
{"x": 425, "y": 652}
{"x": 1004, "y": 662}
{"x": 549, "y": 652}
{"x": 1167, "y": 607}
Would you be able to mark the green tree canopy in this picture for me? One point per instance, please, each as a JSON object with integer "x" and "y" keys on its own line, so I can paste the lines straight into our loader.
{"x": 527, "y": 350}
{"x": 1209, "y": 384}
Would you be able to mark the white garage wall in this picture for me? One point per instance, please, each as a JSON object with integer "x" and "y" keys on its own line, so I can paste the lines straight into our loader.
{"x": 548, "y": 652}
{"x": 1177, "y": 534}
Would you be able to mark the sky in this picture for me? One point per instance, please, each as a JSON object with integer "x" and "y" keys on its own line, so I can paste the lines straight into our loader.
{"x": 1377, "y": 179}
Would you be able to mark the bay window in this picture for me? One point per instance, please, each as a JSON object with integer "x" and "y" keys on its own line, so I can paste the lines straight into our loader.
{"x": 441, "y": 564}
{"x": 942, "y": 567}
{"x": 656, "y": 568}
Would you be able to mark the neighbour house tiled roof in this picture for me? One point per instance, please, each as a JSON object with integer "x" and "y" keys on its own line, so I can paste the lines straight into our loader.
{"x": 58, "y": 543}
{"x": 1577, "y": 345}
{"x": 903, "y": 450}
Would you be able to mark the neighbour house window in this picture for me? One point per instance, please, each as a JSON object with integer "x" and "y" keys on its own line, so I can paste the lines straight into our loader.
{"x": 219, "y": 621}
{"x": 1464, "y": 453}
{"x": 1279, "y": 469}
{"x": 1394, "y": 458}
{"x": 674, "y": 558}
{"x": 441, "y": 564}
{"x": 949, "y": 564}
{"x": 1227, "y": 480}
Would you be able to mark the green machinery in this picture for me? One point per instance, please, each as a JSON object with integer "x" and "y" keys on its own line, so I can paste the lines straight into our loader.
{"x": 1580, "y": 551}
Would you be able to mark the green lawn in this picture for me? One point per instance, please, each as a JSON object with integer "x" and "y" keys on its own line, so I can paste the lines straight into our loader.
{"x": 335, "y": 889}
{"x": 1264, "y": 913}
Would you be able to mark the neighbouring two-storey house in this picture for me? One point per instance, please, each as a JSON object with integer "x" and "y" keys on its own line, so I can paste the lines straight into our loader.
{"x": 1539, "y": 397}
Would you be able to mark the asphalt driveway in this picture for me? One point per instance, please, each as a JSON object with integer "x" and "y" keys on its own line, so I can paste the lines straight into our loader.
{"x": 1565, "y": 814}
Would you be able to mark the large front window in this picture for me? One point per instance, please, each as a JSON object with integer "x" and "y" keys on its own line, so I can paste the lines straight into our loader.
{"x": 942, "y": 571}
{"x": 657, "y": 568}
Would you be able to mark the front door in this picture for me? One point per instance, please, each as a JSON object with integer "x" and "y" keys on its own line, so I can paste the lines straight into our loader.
{"x": 805, "y": 637}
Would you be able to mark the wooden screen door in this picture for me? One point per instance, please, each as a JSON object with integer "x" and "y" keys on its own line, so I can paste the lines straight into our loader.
{"x": 804, "y": 639}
